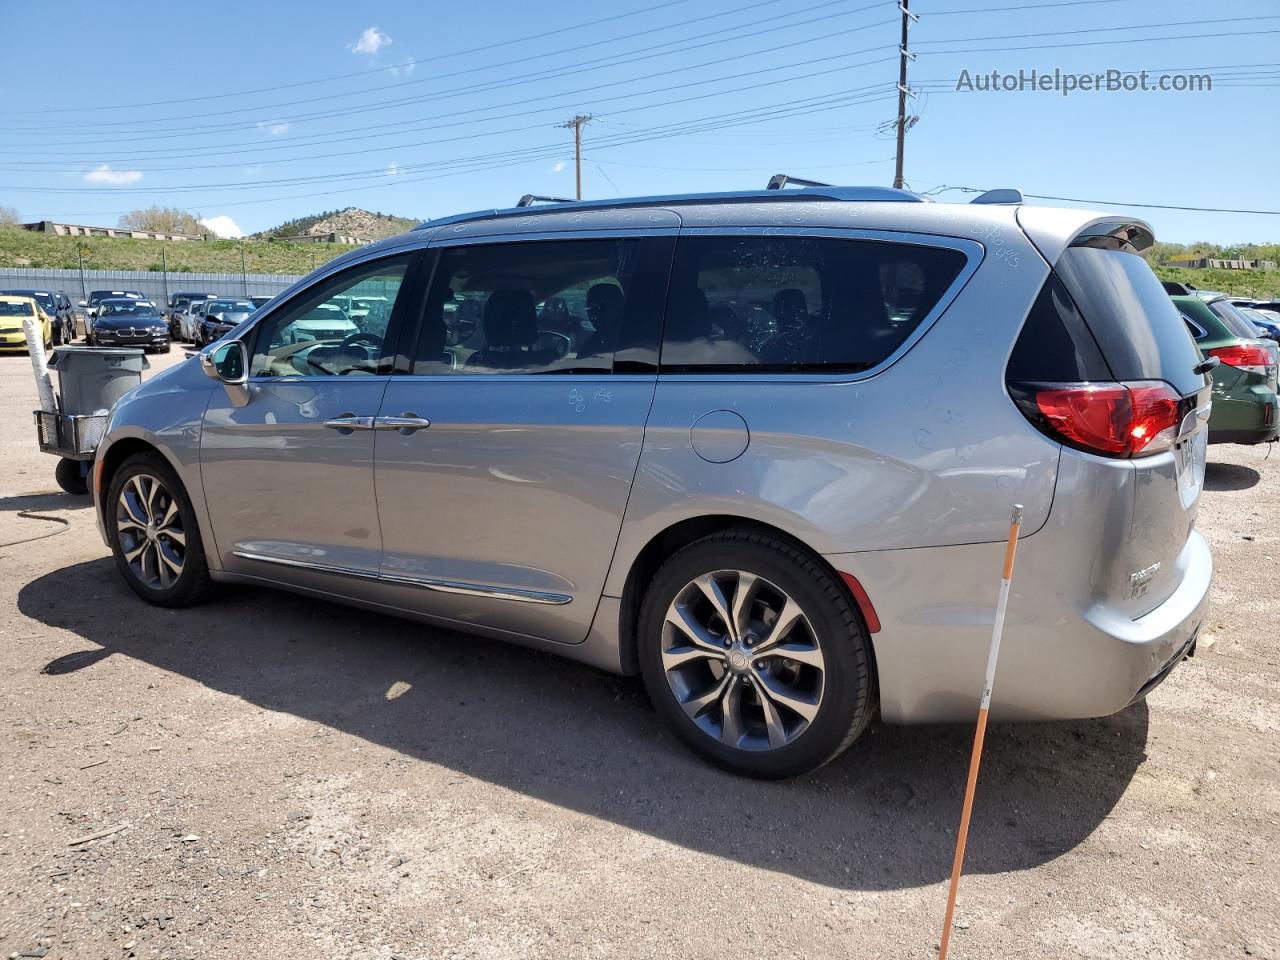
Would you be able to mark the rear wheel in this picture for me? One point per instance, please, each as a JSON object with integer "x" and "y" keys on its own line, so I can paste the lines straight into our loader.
{"x": 754, "y": 655}
{"x": 154, "y": 536}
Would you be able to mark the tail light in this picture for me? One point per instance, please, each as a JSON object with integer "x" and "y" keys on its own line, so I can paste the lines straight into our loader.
{"x": 1251, "y": 358}
{"x": 1111, "y": 419}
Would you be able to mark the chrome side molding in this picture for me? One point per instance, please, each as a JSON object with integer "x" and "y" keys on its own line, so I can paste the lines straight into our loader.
{"x": 425, "y": 583}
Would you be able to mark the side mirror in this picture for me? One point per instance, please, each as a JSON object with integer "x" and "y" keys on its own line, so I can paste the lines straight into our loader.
{"x": 228, "y": 362}
{"x": 81, "y": 303}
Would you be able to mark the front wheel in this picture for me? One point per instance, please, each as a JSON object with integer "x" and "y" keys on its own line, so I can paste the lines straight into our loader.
{"x": 754, "y": 655}
{"x": 154, "y": 536}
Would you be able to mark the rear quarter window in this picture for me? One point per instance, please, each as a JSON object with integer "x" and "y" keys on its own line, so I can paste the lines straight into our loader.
{"x": 1136, "y": 325}
{"x": 777, "y": 304}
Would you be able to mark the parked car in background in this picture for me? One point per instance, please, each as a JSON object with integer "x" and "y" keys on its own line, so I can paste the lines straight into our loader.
{"x": 1272, "y": 305}
{"x": 68, "y": 309}
{"x": 14, "y": 309}
{"x": 259, "y": 301}
{"x": 1244, "y": 382}
{"x": 95, "y": 297}
{"x": 177, "y": 301}
{"x": 1267, "y": 321}
{"x": 220, "y": 316}
{"x": 60, "y": 318}
{"x": 125, "y": 322}
{"x": 775, "y": 480}
{"x": 190, "y": 319}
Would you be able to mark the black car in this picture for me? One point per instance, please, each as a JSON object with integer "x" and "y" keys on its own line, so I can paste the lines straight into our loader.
{"x": 125, "y": 322}
{"x": 221, "y": 315}
{"x": 62, "y": 321}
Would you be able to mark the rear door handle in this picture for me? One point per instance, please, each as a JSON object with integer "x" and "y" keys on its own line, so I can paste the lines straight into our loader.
{"x": 406, "y": 423}
{"x": 348, "y": 423}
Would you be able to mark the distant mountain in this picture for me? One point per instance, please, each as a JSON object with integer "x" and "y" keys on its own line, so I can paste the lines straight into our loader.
{"x": 351, "y": 222}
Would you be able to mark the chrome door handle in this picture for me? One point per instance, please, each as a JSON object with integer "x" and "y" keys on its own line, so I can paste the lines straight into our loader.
{"x": 407, "y": 423}
{"x": 348, "y": 423}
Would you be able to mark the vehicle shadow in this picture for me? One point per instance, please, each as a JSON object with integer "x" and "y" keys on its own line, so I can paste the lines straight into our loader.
{"x": 44, "y": 501}
{"x": 1229, "y": 476}
{"x": 880, "y": 817}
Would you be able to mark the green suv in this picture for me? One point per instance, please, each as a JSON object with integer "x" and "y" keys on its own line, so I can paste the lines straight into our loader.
{"x": 1244, "y": 382}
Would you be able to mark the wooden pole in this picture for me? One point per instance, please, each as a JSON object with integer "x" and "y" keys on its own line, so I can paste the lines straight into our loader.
{"x": 975, "y": 758}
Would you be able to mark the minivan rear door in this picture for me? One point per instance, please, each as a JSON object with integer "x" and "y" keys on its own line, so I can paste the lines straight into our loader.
{"x": 1143, "y": 338}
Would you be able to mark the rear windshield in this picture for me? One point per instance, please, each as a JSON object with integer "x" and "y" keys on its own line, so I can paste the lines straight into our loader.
{"x": 10, "y": 309}
{"x": 1141, "y": 334}
{"x": 1233, "y": 320}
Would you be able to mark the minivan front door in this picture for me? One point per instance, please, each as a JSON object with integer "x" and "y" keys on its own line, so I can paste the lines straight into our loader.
{"x": 506, "y": 457}
{"x": 288, "y": 475}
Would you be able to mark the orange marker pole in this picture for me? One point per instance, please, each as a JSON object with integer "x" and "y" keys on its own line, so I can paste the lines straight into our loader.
{"x": 993, "y": 656}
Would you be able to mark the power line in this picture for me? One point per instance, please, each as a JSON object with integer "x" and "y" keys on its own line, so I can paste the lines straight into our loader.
{"x": 43, "y": 166}
{"x": 1139, "y": 26}
{"x": 379, "y": 172}
{"x": 393, "y": 69}
{"x": 364, "y": 107}
{"x": 1119, "y": 203}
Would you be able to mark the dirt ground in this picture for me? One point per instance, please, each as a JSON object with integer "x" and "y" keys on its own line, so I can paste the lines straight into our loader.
{"x": 293, "y": 779}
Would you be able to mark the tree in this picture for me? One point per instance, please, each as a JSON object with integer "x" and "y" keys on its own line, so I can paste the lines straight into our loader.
{"x": 162, "y": 220}
{"x": 9, "y": 217}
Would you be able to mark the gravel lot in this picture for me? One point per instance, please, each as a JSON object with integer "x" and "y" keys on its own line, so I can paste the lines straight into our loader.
{"x": 300, "y": 780}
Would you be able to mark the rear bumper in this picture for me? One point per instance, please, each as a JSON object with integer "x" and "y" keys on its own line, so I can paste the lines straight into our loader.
{"x": 1057, "y": 662}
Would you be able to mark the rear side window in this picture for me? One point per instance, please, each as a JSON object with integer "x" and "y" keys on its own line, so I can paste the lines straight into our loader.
{"x": 1055, "y": 344}
{"x": 1233, "y": 320}
{"x": 1132, "y": 318}
{"x": 797, "y": 304}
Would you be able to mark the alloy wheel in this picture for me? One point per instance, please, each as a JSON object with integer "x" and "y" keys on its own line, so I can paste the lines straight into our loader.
{"x": 150, "y": 532}
{"x": 743, "y": 660}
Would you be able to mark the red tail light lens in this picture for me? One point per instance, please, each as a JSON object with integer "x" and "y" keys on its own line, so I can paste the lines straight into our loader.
{"x": 1112, "y": 419}
{"x": 1253, "y": 358}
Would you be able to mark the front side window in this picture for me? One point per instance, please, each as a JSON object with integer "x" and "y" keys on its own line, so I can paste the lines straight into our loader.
{"x": 320, "y": 333}
{"x": 534, "y": 307}
{"x": 797, "y": 304}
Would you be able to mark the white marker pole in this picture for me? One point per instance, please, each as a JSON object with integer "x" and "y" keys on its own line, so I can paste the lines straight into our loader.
{"x": 975, "y": 759}
{"x": 35, "y": 347}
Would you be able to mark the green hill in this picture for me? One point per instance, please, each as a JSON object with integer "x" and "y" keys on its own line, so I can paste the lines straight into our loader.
{"x": 23, "y": 248}
{"x": 350, "y": 222}
{"x": 1241, "y": 283}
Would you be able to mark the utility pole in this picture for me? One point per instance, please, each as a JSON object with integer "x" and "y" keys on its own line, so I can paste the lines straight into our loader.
{"x": 244, "y": 273}
{"x": 903, "y": 90}
{"x": 576, "y": 124}
{"x": 164, "y": 272}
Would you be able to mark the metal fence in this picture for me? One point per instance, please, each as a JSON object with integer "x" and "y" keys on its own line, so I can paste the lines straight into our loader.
{"x": 158, "y": 286}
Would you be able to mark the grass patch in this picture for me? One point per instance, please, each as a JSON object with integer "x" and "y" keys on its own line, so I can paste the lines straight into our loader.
{"x": 24, "y": 248}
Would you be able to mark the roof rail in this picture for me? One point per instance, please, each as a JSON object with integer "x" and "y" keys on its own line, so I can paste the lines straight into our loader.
{"x": 818, "y": 194}
{"x": 780, "y": 180}
{"x": 1005, "y": 195}
{"x": 529, "y": 199}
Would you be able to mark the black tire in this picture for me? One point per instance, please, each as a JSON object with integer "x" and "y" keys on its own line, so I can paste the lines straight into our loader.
{"x": 847, "y": 701}
{"x": 67, "y": 474}
{"x": 192, "y": 584}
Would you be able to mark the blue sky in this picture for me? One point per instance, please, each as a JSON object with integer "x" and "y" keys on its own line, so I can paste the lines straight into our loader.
{"x": 425, "y": 109}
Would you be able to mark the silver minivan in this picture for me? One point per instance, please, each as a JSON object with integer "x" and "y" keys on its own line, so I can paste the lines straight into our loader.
{"x": 759, "y": 447}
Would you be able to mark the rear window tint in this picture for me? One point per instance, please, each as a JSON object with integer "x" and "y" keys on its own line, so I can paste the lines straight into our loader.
{"x": 1055, "y": 343}
{"x": 1135, "y": 323}
{"x": 797, "y": 304}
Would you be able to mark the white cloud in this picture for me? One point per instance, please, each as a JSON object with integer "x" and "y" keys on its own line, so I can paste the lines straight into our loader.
{"x": 559, "y": 167}
{"x": 393, "y": 169}
{"x": 370, "y": 42}
{"x": 275, "y": 129}
{"x": 252, "y": 171}
{"x": 407, "y": 68}
{"x": 222, "y": 226}
{"x": 104, "y": 176}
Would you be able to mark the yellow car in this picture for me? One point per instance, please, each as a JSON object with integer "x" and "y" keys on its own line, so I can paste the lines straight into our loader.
{"x": 13, "y": 310}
